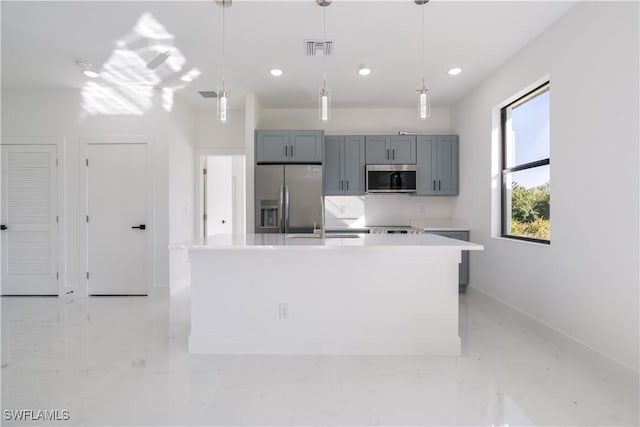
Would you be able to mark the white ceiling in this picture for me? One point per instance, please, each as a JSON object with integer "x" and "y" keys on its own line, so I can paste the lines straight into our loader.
{"x": 41, "y": 40}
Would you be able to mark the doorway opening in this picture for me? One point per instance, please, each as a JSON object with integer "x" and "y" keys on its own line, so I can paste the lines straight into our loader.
{"x": 223, "y": 196}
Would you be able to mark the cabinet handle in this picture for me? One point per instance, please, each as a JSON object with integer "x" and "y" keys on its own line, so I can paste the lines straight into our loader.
{"x": 340, "y": 185}
{"x": 387, "y": 154}
{"x": 291, "y": 150}
{"x": 286, "y": 151}
{"x": 347, "y": 185}
{"x": 434, "y": 185}
{"x": 439, "y": 185}
{"x": 393, "y": 153}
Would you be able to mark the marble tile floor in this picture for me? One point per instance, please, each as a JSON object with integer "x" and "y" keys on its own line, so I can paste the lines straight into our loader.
{"x": 122, "y": 361}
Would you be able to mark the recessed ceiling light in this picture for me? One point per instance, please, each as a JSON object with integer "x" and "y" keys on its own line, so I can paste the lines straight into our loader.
{"x": 85, "y": 67}
{"x": 364, "y": 71}
{"x": 90, "y": 73}
{"x": 276, "y": 72}
{"x": 454, "y": 71}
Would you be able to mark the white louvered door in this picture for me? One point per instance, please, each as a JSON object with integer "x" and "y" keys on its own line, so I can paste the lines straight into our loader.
{"x": 29, "y": 210}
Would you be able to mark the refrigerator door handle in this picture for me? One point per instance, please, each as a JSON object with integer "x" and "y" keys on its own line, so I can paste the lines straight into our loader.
{"x": 281, "y": 209}
{"x": 286, "y": 208}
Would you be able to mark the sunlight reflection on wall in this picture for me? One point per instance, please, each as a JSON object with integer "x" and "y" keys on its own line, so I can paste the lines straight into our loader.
{"x": 129, "y": 100}
{"x": 128, "y": 78}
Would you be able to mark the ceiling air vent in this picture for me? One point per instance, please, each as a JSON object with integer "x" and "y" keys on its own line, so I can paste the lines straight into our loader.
{"x": 318, "y": 48}
{"x": 208, "y": 94}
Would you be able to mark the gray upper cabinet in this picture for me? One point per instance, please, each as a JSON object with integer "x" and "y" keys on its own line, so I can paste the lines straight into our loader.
{"x": 437, "y": 165}
{"x": 332, "y": 167}
{"x": 344, "y": 165}
{"x": 306, "y": 146}
{"x": 272, "y": 146}
{"x": 284, "y": 146}
{"x": 377, "y": 149}
{"x": 394, "y": 149}
{"x": 403, "y": 150}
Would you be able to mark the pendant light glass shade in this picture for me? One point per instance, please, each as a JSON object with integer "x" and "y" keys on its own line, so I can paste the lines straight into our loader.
{"x": 424, "y": 102}
{"x": 324, "y": 103}
{"x": 223, "y": 103}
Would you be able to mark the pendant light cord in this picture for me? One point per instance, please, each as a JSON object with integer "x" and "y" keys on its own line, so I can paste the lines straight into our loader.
{"x": 324, "y": 41}
{"x": 223, "y": 8}
{"x": 423, "y": 44}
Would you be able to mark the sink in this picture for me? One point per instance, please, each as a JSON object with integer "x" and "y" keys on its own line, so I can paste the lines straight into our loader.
{"x": 317, "y": 236}
{"x": 302, "y": 236}
{"x": 340, "y": 236}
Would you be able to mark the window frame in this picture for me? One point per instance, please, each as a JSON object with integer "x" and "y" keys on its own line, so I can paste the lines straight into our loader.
{"x": 538, "y": 90}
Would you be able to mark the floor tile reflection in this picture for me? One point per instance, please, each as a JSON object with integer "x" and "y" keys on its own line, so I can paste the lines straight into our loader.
{"x": 123, "y": 361}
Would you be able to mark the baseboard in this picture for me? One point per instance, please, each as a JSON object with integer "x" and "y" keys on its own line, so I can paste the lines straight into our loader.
{"x": 159, "y": 291}
{"x": 561, "y": 338}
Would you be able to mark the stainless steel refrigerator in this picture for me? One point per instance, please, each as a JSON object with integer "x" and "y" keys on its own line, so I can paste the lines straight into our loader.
{"x": 288, "y": 198}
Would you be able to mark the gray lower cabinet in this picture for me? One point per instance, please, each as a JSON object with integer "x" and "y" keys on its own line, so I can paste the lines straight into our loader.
{"x": 289, "y": 146}
{"x": 437, "y": 165}
{"x": 344, "y": 165}
{"x": 391, "y": 149}
{"x": 464, "y": 265}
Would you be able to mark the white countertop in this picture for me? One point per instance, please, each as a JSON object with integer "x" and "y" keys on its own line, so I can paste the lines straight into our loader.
{"x": 440, "y": 224}
{"x": 276, "y": 241}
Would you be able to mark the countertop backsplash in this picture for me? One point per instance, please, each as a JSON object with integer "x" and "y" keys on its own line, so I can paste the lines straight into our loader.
{"x": 383, "y": 210}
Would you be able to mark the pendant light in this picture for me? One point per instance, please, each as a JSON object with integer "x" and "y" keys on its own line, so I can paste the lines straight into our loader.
{"x": 324, "y": 97}
{"x": 424, "y": 98}
{"x": 223, "y": 91}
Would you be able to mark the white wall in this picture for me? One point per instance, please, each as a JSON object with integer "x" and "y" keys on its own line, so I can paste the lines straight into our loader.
{"x": 182, "y": 125}
{"x": 358, "y": 121}
{"x": 253, "y": 121}
{"x": 225, "y": 138}
{"x": 64, "y": 113}
{"x": 585, "y": 284}
{"x": 377, "y": 210}
{"x": 238, "y": 176}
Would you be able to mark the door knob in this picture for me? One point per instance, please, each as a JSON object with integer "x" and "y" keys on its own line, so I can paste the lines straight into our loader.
{"x": 3, "y": 227}
{"x": 140, "y": 227}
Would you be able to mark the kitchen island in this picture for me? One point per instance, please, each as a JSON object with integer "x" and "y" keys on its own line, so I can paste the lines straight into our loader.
{"x": 368, "y": 294}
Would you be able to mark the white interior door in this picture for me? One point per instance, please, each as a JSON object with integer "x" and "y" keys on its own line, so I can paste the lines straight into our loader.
{"x": 117, "y": 232}
{"x": 29, "y": 220}
{"x": 219, "y": 200}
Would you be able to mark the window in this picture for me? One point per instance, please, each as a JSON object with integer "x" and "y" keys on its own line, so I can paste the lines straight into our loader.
{"x": 526, "y": 193}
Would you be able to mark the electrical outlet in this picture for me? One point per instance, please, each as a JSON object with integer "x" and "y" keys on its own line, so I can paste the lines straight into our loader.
{"x": 283, "y": 311}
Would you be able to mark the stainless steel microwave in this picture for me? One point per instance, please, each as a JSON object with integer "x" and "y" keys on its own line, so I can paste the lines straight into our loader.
{"x": 391, "y": 178}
